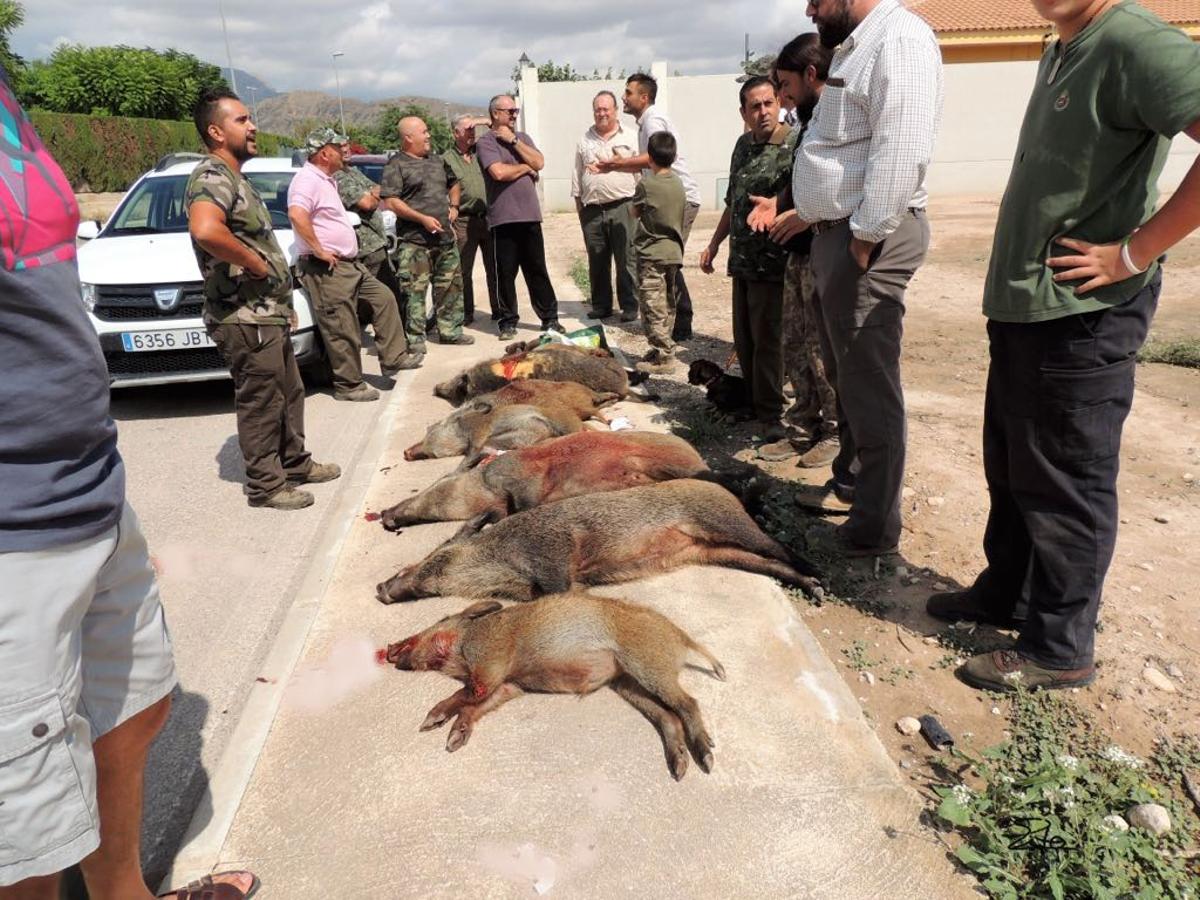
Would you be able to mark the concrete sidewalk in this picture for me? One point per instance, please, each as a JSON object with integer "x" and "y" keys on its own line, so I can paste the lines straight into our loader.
{"x": 555, "y": 794}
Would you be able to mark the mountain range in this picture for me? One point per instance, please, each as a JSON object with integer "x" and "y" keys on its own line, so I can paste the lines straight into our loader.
{"x": 291, "y": 112}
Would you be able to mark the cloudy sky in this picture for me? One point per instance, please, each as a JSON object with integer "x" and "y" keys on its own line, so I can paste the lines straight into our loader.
{"x": 462, "y": 50}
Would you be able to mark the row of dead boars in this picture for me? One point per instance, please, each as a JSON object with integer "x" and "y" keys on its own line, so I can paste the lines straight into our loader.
{"x": 550, "y": 508}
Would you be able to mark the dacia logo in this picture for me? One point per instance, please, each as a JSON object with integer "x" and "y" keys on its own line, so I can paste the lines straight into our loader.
{"x": 167, "y": 299}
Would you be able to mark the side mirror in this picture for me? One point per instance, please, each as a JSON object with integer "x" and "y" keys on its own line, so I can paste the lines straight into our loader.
{"x": 87, "y": 230}
{"x": 353, "y": 218}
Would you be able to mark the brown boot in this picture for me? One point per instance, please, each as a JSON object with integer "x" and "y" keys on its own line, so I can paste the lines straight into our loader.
{"x": 320, "y": 472}
{"x": 822, "y": 452}
{"x": 287, "y": 498}
{"x": 360, "y": 394}
{"x": 1003, "y": 670}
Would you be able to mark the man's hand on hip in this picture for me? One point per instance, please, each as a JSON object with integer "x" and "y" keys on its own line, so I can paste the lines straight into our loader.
{"x": 1100, "y": 264}
{"x": 326, "y": 256}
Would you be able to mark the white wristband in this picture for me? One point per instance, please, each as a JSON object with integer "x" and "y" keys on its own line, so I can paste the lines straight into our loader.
{"x": 1127, "y": 260}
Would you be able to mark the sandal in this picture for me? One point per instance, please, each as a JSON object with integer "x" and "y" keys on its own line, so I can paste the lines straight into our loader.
{"x": 205, "y": 888}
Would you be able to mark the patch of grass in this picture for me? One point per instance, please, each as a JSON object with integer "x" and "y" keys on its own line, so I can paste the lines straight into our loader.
{"x": 700, "y": 426}
{"x": 1173, "y": 353}
{"x": 1032, "y": 811}
{"x": 579, "y": 275}
{"x": 858, "y": 658}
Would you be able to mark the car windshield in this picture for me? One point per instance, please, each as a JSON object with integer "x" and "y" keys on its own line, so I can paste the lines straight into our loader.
{"x": 156, "y": 205}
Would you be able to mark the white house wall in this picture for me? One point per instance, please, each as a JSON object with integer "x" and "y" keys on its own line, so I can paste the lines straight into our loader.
{"x": 984, "y": 106}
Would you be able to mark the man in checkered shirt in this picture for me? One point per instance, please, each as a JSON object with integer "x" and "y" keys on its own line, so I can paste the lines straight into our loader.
{"x": 859, "y": 181}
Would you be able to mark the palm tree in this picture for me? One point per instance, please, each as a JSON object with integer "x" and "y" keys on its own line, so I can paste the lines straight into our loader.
{"x": 12, "y": 17}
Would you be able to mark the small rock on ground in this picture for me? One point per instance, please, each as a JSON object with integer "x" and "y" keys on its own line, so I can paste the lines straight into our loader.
{"x": 1149, "y": 817}
{"x": 908, "y": 725}
{"x": 1158, "y": 680}
{"x": 1116, "y": 823}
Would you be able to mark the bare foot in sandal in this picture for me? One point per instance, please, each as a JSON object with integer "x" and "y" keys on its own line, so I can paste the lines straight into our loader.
{"x": 235, "y": 885}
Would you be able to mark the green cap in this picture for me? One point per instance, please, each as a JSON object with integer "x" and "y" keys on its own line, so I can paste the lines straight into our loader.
{"x": 319, "y": 137}
{"x": 760, "y": 66}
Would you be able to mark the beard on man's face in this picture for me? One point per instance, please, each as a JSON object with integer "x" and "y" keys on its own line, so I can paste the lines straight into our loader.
{"x": 804, "y": 109}
{"x": 834, "y": 27}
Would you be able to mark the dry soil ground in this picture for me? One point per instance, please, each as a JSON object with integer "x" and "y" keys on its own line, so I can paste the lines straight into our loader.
{"x": 1149, "y": 614}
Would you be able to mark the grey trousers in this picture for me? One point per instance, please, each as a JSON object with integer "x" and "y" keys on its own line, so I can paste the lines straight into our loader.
{"x": 608, "y": 236}
{"x": 861, "y": 323}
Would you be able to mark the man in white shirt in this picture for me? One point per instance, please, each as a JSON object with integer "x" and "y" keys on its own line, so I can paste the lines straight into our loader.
{"x": 859, "y": 181}
{"x": 641, "y": 90}
{"x": 605, "y": 207}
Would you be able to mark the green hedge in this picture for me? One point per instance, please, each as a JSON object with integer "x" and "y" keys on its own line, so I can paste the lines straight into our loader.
{"x": 101, "y": 153}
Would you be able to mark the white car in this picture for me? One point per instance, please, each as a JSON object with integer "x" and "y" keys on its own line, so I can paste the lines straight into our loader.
{"x": 142, "y": 286}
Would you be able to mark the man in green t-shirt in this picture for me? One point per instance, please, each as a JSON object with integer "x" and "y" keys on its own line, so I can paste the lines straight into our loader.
{"x": 471, "y": 228}
{"x": 1072, "y": 285}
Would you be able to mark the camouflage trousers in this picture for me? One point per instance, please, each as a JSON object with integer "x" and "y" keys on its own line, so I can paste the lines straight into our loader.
{"x": 657, "y": 299}
{"x": 815, "y": 407}
{"x": 417, "y": 267}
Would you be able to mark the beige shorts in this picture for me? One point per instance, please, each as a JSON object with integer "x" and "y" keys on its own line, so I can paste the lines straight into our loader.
{"x": 83, "y": 647}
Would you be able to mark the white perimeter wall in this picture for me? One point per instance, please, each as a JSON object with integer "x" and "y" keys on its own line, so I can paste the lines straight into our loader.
{"x": 985, "y": 103}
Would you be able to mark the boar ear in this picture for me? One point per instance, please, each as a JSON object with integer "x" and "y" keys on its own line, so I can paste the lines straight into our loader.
{"x": 481, "y": 609}
{"x": 483, "y": 406}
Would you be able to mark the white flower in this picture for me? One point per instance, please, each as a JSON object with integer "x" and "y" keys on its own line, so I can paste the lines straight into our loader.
{"x": 1064, "y": 795}
{"x": 1004, "y": 778}
{"x": 1117, "y": 755}
{"x": 963, "y": 794}
{"x": 1068, "y": 762}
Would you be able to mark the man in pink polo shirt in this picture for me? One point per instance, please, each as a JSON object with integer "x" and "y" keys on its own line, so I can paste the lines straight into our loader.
{"x": 333, "y": 278}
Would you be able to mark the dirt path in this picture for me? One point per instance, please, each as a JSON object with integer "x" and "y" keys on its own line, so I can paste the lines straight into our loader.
{"x": 1149, "y": 615}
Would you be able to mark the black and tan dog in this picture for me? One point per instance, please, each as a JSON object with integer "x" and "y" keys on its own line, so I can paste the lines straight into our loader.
{"x": 728, "y": 393}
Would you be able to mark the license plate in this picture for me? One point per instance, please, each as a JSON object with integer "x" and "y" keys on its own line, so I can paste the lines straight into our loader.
{"x": 176, "y": 339}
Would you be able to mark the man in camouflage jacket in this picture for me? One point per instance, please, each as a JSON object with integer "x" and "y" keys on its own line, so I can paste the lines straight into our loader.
{"x": 761, "y": 165}
{"x": 360, "y": 195}
{"x": 248, "y": 307}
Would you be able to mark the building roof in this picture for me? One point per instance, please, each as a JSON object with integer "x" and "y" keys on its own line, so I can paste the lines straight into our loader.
{"x": 953, "y": 16}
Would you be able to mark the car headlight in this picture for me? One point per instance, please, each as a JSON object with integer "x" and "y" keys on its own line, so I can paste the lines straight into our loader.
{"x": 89, "y": 296}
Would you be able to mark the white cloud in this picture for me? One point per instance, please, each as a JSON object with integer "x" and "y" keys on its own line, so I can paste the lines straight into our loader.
{"x": 460, "y": 51}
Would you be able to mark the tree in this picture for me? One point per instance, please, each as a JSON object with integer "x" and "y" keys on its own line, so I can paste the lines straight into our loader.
{"x": 119, "y": 81}
{"x": 387, "y": 136}
{"x": 12, "y": 17}
{"x": 548, "y": 71}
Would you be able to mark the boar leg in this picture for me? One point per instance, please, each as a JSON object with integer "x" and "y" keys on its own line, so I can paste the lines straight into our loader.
{"x": 470, "y": 714}
{"x": 747, "y": 561}
{"x": 668, "y": 724}
{"x": 664, "y": 687}
{"x": 447, "y": 709}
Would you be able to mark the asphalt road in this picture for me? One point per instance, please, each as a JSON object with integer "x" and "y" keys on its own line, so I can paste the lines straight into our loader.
{"x": 227, "y": 572}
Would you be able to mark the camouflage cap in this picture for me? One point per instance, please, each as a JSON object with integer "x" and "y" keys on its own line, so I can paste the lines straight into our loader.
{"x": 319, "y": 137}
{"x": 759, "y": 67}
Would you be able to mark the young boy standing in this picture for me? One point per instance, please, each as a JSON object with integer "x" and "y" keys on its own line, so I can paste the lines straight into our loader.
{"x": 659, "y": 203}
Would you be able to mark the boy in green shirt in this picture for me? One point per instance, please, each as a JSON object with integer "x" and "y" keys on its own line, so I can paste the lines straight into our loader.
{"x": 1072, "y": 285}
{"x": 659, "y": 203}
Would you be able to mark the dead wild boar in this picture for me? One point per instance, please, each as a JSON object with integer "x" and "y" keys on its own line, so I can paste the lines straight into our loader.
{"x": 598, "y": 539}
{"x": 538, "y": 392}
{"x": 480, "y": 424}
{"x": 588, "y": 462}
{"x": 563, "y": 644}
{"x": 553, "y": 362}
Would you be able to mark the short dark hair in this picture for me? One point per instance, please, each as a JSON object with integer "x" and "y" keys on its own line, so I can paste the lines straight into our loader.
{"x": 205, "y": 111}
{"x": 662, "y": 148}
{"x": 647, "y": 83}
{"x": 803, "y": 51}
{"x": 756, "y": 82}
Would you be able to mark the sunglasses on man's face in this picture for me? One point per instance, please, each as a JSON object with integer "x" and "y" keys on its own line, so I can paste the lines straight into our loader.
{"x": 512, "y": 110}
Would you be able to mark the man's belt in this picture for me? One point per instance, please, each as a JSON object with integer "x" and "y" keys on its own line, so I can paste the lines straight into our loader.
{"x": 611, "y": 204}
{"x": 830, "y": 224}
